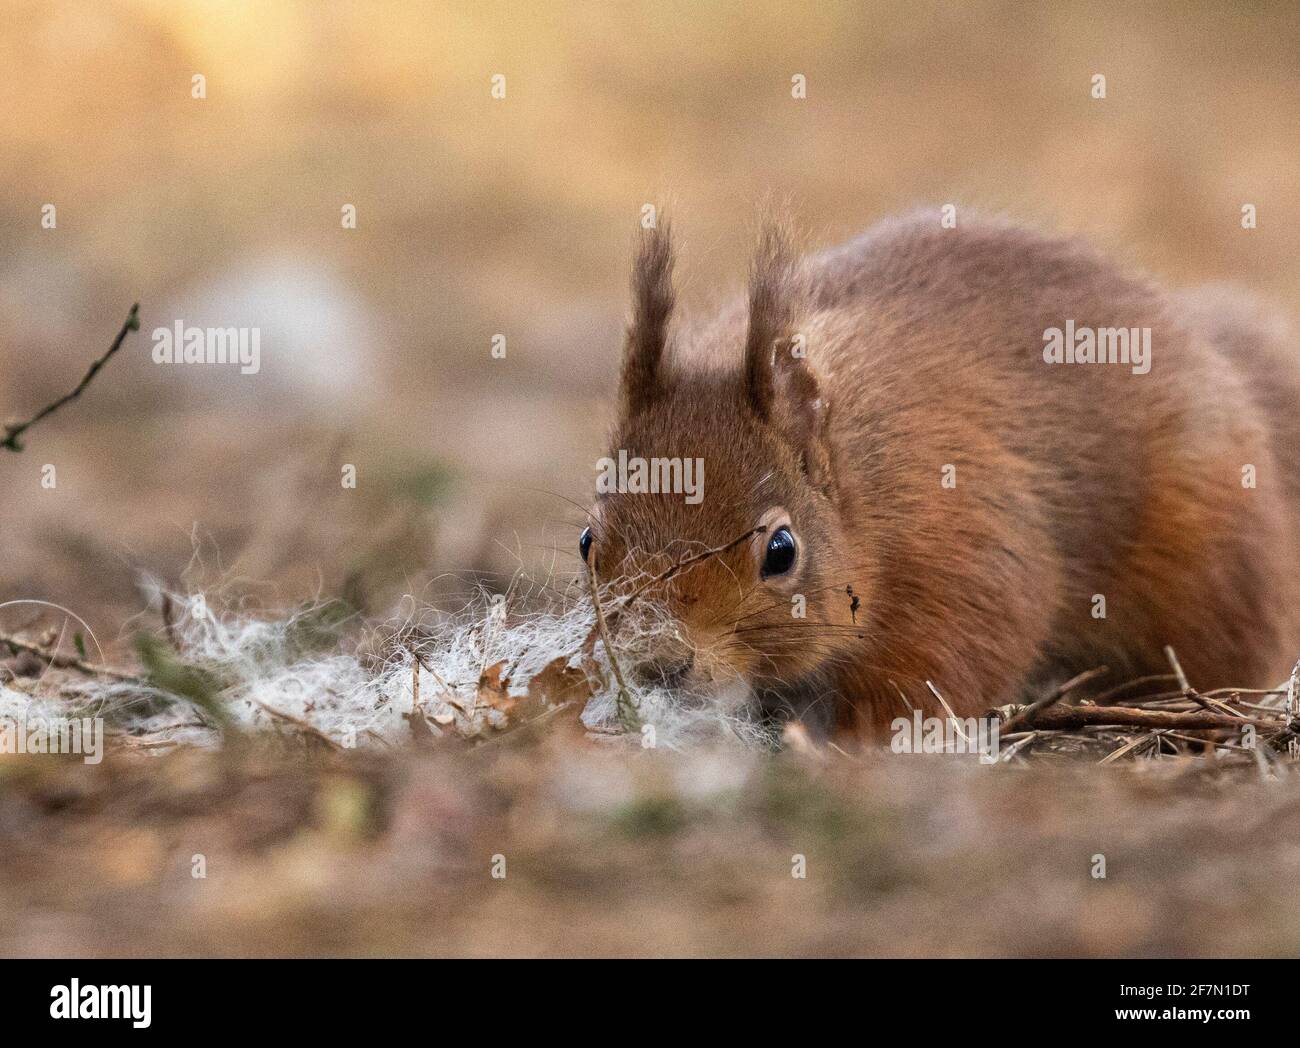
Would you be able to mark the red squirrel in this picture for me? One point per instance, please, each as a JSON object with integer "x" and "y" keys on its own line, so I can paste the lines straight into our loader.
{"x": 979, "y": 457}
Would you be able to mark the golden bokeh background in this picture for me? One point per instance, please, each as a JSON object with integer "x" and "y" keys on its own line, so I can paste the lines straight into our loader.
{"x": 478, "y": 216}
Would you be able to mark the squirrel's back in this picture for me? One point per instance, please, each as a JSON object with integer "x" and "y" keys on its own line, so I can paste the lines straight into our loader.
{"x": 1095, "y": 511}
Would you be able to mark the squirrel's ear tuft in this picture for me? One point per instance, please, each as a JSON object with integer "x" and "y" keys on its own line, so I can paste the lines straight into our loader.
{"x": 652, "y": 307}
{"x": 779, "y": 382}
{"x": 772, "y": 287}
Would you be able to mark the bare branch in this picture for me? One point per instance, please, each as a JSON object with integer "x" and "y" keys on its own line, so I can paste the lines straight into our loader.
{"x": 14, "y": 430}
{"x": 68, "y": 662}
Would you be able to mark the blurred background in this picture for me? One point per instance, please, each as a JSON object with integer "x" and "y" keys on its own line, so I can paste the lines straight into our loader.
{"x": 478, "y": 216}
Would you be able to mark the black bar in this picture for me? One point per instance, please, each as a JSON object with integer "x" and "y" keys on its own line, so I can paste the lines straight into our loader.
{"x": 580, "y": 997}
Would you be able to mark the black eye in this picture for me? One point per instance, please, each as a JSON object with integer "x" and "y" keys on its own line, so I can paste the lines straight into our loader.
{"x": 780, "y": 553}
{"x": 584, "y": 543}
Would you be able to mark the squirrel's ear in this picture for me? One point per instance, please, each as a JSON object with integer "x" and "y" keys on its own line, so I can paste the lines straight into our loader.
{"x": 781, "y": 387}
{"x": 652, "y": 307}
{"x": 770, "y": 286}
{"x": 800, "y": 411}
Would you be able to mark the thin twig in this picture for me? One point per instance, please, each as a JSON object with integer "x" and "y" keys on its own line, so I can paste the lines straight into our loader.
{"x": 625, "y": 707}
{"x": 1187, "y": 689}
{"x": 1106, "y": 696}
{"x": 1019, "y": 744}
{"x": 1127, "y": 747}
{"x": 514, "y": 731}
{"x": 589, "y": 642}
{"x": 69, "y": 662}
{"x": 302, "y": 725}
{"x": 1175, "y": 696}
{"x": 1055, "y": 695}
{"x": 956, "y": 722}
{"x": 685, "y": 563}
{"x": 1292, "y": 690}
{"x": 903, "y": 697}
{"x": 1201, "y": 742}
{"x": 14, "y": 431}
{"x": 432, "y": 672}
{"x": 1178, "y": 670}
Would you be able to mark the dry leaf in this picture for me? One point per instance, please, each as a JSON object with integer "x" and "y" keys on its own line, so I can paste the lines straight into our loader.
{"x": 492, "y": 690}
{"x": 558, "y": 683}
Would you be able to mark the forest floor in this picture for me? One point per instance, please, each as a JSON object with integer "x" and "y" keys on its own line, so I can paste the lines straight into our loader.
{"x": 541, "y": 844}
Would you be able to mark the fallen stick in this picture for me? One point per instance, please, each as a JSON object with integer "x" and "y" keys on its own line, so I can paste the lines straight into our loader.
{"x": 1022, "y": 718}
{"x": 1066, "y": 718}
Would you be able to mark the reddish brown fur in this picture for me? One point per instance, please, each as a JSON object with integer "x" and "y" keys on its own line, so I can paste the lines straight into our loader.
{"x": 924, "y": 348}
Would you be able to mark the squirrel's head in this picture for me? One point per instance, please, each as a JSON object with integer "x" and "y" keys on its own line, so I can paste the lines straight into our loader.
{"x": 718, "y": 495}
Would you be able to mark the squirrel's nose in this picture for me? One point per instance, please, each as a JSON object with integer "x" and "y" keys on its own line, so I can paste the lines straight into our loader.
{"x": 664, "y": 673}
